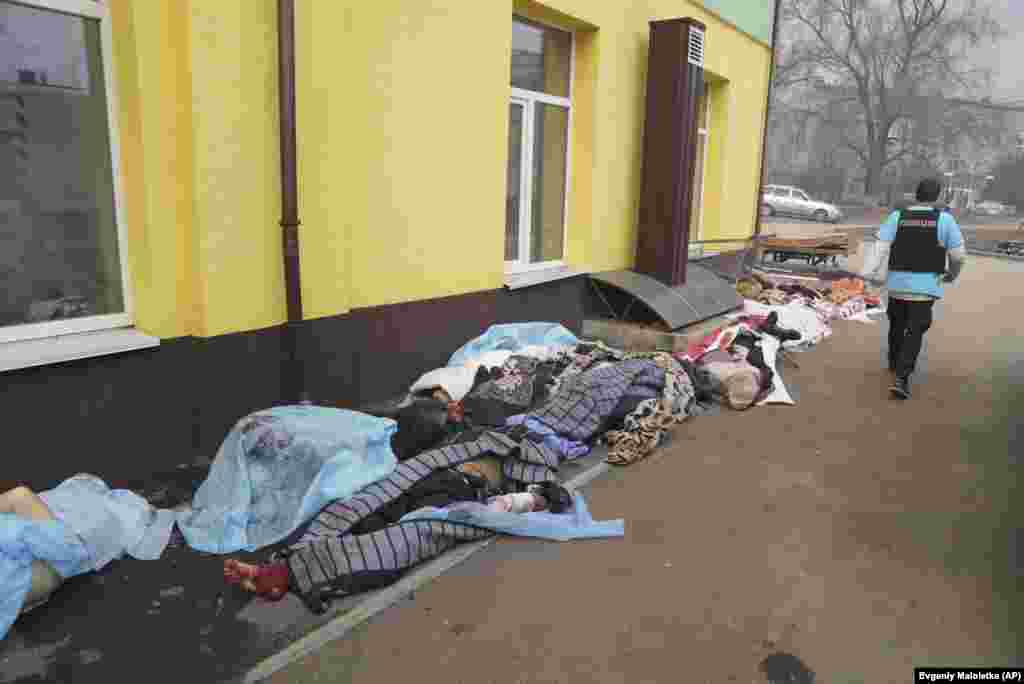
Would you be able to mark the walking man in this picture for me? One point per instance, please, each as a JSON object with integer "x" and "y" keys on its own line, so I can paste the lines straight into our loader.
{"x": 915, "y": 242}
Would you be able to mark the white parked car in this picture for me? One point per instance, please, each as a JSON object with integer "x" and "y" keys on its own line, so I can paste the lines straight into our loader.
{"x": 785, "y": 200}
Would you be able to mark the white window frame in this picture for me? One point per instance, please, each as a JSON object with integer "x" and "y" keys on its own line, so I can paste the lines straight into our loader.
{"x": 529, "y": 99}
{"x": 704, "y": 132}
{"x": 99, "y": 10}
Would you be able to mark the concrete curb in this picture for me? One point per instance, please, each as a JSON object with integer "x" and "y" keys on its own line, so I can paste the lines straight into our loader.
{"x": 385, "y": 598}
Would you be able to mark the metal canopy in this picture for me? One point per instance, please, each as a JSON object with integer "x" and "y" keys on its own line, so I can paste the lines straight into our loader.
{"x": 703, "y": 296}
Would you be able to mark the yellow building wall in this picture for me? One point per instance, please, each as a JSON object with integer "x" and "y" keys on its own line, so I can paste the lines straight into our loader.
{"x": 739, "y": 101}
{"x": 737, "y": 66}
{"x": 418, "y": 141}
{"x": 197, "y": 106}
{"x": 426, "y": 136}
{"x": 236, "y": 197}
{"x": 402, "y": 120}
{"x": 154, "y": 128}
{"x": 323, "y": 97}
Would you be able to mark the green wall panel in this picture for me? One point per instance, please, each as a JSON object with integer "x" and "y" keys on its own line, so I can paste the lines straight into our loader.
{"x": 753, "y": 16}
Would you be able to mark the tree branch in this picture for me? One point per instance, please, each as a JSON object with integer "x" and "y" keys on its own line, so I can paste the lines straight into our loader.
{"x": 829, "y": 50}
{"x": 899, "y": 155}
{"x": 848, "y": 144}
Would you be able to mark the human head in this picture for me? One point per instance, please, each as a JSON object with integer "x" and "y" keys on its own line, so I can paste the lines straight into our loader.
{"x": 928, "y": 190}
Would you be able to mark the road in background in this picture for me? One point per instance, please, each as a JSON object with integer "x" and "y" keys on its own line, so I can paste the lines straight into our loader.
{"x": 980, "y": 233}
{"x": 856, "y": 217}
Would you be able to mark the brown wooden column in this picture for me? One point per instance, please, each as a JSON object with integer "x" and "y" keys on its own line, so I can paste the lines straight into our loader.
{"x": 674, "y": 84}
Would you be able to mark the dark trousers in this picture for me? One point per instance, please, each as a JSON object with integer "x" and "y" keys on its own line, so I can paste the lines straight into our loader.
{"x": 908, "y": 322}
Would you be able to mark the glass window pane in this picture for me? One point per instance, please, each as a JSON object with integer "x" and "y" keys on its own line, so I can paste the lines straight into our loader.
{"x": 550, "y": 144}
{"x": 541, "y": 58}
{"x": 58, "y": 233}
{"x": 697, "y": 209}
{"x": 702, "y": 108}
{"x": 513, "y": 192}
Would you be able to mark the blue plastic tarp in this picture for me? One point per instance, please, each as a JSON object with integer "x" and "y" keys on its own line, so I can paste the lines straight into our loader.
{"x": 23, "y": 541}
{"x": 574, "y": 524}
{"x": 111, "y": 523}
{"x": 278, "y": 468}
{"x": 513, "y": 337}
{"x": 92, "y": 526}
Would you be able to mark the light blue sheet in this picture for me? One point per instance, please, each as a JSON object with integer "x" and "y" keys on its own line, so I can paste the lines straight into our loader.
{"x": 278, "y": 468}
{"x": 574, "y": 524}
{"x": 93, "y": 525}
{"x": 109, "y": 522}
{"x": 513, "y": 337}
{"x": 21, "y": 542}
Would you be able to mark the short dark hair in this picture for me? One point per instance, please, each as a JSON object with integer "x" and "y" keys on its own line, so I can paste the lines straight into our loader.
{"x": 929, "y": 190}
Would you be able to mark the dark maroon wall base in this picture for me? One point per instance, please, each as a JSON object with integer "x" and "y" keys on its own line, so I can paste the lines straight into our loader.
{"x": 124, "y": 417}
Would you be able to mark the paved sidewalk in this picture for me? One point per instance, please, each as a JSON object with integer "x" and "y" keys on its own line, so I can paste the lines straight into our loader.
{"x": 860, "y": 535}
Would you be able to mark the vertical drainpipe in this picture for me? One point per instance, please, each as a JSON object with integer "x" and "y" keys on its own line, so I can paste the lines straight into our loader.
{"x": 293, "y": 376}
{"x": 767, "y": 112}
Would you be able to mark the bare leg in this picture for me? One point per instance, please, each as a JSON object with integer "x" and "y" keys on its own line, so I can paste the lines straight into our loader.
{"x": 24, "y": 503}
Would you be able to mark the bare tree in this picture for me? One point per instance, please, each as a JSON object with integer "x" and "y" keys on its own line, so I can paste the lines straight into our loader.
{"x": 875, "y": 63}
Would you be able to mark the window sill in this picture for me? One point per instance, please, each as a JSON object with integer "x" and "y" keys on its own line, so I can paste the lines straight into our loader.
{"x": 42, "y": 352}
{"x": 517, "y": 278}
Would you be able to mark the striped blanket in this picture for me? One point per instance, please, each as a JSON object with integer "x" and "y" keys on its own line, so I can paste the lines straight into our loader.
{"x": 335, "y": 567}
{"x": 329, "y": 562}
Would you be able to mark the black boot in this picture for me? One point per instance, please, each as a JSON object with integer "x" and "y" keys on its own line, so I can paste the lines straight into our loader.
{"x": 771, "y": 327}
{"x": 901, "y": 388}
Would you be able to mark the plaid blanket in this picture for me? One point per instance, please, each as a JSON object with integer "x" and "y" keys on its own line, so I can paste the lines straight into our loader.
{"x": 583, "y": 404}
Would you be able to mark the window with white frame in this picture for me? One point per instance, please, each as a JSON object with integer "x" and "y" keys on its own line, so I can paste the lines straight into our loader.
{"x": 700, "y": 166}
{"x": 538, "y": 145}
{"x": 62, "y": 240}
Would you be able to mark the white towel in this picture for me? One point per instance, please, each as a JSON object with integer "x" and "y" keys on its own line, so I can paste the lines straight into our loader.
{"x": 455, "y": 380}
{"x": 779, "y": 394}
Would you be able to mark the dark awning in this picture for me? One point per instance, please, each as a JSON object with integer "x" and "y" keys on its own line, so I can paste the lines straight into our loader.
{"x": 703, "y": 296}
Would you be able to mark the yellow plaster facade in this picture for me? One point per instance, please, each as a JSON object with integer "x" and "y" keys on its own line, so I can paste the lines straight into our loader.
{"x": 402, "y": 124}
